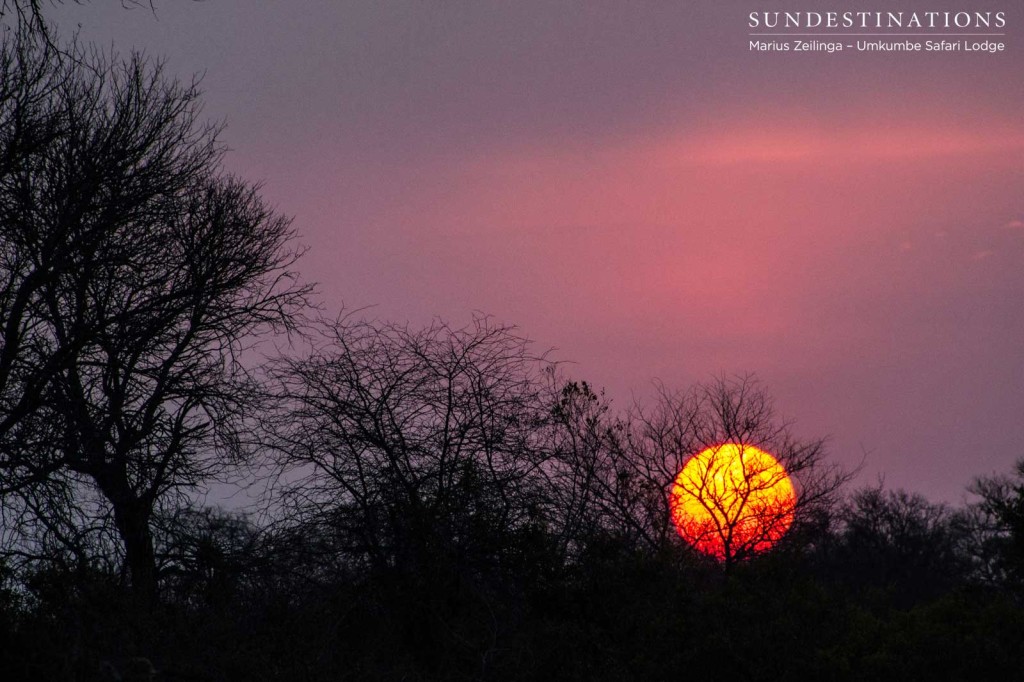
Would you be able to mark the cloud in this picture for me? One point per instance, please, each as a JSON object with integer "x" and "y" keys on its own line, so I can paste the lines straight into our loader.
{"x": 788, "y": 142}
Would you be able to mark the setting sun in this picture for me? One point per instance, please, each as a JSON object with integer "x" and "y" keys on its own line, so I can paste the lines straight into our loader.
{"x": 732, "y": 500}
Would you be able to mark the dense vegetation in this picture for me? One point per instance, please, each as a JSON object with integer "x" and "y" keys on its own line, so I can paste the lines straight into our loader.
{"x": 486, "y": 581}
{"x": 440, "y": 503}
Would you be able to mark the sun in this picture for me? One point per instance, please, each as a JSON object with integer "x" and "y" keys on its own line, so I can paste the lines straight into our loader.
{"x": 732, "y": 500}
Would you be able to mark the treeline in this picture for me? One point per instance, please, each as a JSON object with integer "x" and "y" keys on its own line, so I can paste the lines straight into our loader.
{"x": 437, "y": 503}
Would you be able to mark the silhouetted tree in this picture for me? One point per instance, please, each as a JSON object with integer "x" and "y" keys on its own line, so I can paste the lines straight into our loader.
{"x": 26, "y": 13}
{"x": 29, "y": 14}
{"x": 899, "y": 544}
{"x": 422, "y": 452}
{"x": 208, "y": 557}
{"x": 649, "y": 448}
{"x": 420, "y": 440}
{"x": 135, "y": 275}
{"x": 997, "y": 522}
{"x": 581, "y": 426}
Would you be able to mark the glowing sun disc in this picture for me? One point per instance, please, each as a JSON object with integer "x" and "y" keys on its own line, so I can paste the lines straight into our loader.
{"x": 732, "y": 500}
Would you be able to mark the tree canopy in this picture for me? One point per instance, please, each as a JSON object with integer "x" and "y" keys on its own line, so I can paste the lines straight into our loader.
{"x": 136, "y": 274}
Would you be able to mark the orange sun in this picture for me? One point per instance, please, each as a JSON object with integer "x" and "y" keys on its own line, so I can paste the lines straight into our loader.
{"x": 732, "y": 500}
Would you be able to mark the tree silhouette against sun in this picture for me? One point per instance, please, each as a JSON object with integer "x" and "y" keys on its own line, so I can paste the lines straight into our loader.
{"x": 731, "y": 501}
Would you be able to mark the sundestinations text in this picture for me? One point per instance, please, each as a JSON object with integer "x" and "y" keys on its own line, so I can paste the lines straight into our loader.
{"x": 887, "y": 20}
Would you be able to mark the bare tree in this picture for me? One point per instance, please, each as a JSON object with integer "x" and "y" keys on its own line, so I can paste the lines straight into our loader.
{"x": 29, "y": 14}
{"x": 996, "y": 521}
{"x": 26, "y": 13}
{"x": 732, "y": 500}
{"x": 207, "y": 555}
{"x": 415, "y": 443}
{"x": 420, "y": 455}
{"x": 637, "y": 468}
{"x": 581, "y": 428}
{"x": 135, "y": 276}
{"x": 902, "y": 543}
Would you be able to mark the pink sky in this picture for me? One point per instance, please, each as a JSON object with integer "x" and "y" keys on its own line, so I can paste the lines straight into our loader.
{"x": 628, "y": 183}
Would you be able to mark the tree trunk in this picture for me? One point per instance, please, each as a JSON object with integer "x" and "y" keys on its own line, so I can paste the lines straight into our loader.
{"x": 132, "y": 520}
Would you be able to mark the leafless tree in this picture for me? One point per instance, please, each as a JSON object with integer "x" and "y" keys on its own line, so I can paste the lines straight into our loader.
{"x": 29, "y": 14}
{"x": 636, "y": 467}
{"x": 900, "y": 542}
{"x": 26, "y": 13}
{"x": 417, "y": 456}
{"x": 207, "y": 555}
{"x": 996, "y": 520}
{"x": 581, "y": 428}
{"x": 135, "y": 275}
{"x": 414, "y": 442}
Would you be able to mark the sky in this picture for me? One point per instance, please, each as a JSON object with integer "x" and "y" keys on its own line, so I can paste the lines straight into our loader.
{"x": 632, "y": 186}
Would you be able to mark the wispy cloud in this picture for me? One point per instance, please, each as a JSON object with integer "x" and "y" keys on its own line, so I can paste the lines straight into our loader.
{"x": 786, "y": 142}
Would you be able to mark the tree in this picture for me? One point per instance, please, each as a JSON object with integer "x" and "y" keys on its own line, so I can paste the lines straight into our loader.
{"x": 28, "y": 14}
{"x": 420, "y": 453}
{"x": 209, "y": 555}
{"x": 416, "y": 441}
{"x": 901, "y": 543}
{"x": 732, "y": 500}
{"x": 645, "y": 454}
{"x": 997, "y": 522}
{"x": 136, "y": 275}
{"x": 581, "y": 426}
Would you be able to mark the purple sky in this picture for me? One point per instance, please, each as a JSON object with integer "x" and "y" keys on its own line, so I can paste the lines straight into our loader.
{"x": 628, "y": 183}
